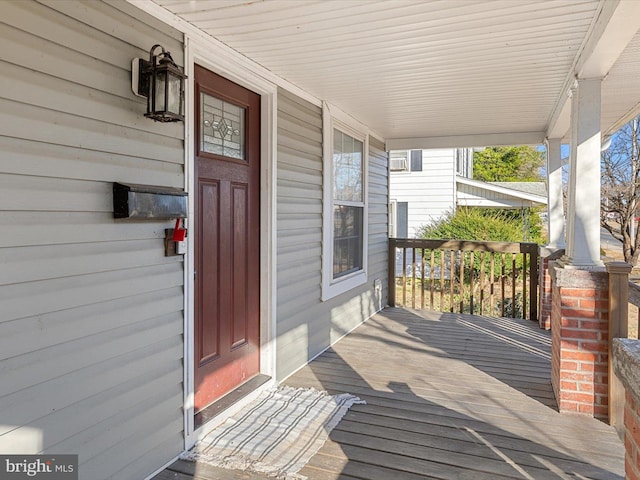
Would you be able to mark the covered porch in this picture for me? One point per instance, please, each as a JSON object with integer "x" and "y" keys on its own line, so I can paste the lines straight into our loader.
{"x": 497, "y": 419}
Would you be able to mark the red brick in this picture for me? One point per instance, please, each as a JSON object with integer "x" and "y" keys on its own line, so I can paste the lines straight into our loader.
{"x": 587, "y": 367}
{"x": 586, "y": 387}
{"x": 580, "y": 333}
{"x": 586, "y": 408}
{"x": 594, "y": 304}
{"x": 568, "y": 385}
{"x": 580, "y": 314}
{"x": 578, "y": 292}
{"x": 578, "y": 397}
{"x": 600, "y": 325}
{"x": 569, "y": 365}
{"x": 574, "y": 355}
{"x": 594, "y": 346}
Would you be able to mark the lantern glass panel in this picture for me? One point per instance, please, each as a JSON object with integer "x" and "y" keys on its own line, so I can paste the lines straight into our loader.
{"x": 175, "y": 90}
{"x": 159, "y": 92}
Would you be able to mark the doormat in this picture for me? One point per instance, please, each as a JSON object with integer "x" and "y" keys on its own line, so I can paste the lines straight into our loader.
{"x": 277, "y": 434}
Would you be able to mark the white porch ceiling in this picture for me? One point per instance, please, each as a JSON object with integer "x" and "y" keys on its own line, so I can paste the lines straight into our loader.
{"x": 450, "y": 71}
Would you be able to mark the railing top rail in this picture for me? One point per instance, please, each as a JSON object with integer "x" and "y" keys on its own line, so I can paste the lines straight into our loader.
{"x": 465, "y": 245}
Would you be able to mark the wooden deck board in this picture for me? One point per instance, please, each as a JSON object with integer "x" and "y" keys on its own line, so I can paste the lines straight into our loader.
{"x": 449, "y": 396}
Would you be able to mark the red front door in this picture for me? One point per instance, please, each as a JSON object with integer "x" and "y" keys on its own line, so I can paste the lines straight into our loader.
{"x": 227, "y": 229}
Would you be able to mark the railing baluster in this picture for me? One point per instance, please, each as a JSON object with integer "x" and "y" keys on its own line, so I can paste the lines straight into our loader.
{"x": 502, "y": 274}
{"x": 442, "y": 278}
{"x": 513, "y": 285}
{"x": 452, "y": 275}
{"x": 404, "y": 277}
{"x": 491, "y": 288}
{"x": 422, "y": 283}
{"x": 413, "y": 278}
{"x": 524, "y": 284}
{"x": 461, "y": 281}
{"x": 471, "y": 266}
{"x": 482, "y": 257}
{"x": 432, "y": 274}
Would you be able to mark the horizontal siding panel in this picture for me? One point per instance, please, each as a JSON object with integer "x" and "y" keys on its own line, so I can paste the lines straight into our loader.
{"x": 302, "y": 175}
{"x": 34, "y": 298}
{"x": 34, "y": 123}
{"x": 310, "y": 206}
{"x": 24, "y": 335}
{"x": 32, "y": 158}
{"x": 63, "y": 424}
{"x": 27, "y": 370}
{"x": 73, "y": 227}
{"x": 288, "y": 157}
{"x": 123, "y": 21}
{"x": 298, "y": 126}
{"x": 52, "y": 93}
{"x": 287, "y": 188}
{"x": 297, "y": 143}
{"x": 27, "y": 264}
{"x": 289, "y": 222}
{"x": 22, "y": 48}
{"x": 54, "y": 194}
{"x": 297, "y": 107}
{"x": 27, "y": 405}
{"x": 114, "y": 442}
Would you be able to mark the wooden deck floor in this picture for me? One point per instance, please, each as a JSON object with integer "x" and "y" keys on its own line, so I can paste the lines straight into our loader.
{"x": 448, "y": 396}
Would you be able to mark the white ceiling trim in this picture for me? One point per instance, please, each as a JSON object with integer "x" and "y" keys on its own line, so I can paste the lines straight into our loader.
{"x": 465, "y": 141}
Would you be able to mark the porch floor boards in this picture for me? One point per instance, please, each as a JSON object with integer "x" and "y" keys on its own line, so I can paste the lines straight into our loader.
{"x": 449, "y": 396}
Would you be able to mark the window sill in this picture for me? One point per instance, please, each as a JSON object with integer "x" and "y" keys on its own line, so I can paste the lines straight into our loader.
{"x": 343, "y": 285}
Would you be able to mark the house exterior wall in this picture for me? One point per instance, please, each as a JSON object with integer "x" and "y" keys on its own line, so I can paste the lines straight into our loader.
{"x": 305, "y": 324}
{"x": 429, "y": 193}
{"x": 91, "y": 347}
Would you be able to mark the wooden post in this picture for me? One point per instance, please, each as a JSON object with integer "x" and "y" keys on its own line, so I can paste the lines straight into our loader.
{"x": 618, "y": 328}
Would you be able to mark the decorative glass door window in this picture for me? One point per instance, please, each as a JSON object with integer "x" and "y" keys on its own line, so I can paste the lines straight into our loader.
{"x": 222, "y": 127}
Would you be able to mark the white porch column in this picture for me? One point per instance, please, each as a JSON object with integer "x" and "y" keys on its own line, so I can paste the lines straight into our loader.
{"x": 555, "y": 205}
{"x": 583, "y": 216}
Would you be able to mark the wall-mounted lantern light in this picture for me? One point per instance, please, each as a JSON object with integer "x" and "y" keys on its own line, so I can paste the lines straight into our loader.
{"x": 161, "y": 81}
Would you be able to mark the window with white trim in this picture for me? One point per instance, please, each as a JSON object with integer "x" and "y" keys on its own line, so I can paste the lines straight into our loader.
{"x": 345, "y": 204}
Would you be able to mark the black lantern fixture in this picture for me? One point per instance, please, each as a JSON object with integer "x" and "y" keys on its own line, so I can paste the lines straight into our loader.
{"x": 162, "y": 82}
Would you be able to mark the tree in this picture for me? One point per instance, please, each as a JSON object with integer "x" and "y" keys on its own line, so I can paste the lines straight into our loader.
{"x": 508, "y": 164}
{"x": 620, "y": 165}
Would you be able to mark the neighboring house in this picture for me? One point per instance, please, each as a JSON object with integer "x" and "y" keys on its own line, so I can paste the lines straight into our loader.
{"x": 112, "y": 350}
{"x": 425, "y": 185}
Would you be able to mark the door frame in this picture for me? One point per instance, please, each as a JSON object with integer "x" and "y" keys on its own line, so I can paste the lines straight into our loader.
{"x": 199, "y": 51}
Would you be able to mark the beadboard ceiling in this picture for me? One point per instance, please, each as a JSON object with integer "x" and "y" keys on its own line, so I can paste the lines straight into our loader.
{"x": 433, "y": 68}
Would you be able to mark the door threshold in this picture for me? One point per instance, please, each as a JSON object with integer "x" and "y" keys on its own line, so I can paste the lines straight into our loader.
{"x": 234, "y": 396}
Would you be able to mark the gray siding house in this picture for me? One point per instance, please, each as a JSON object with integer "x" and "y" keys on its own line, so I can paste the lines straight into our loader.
{"x": 96, "y": 323}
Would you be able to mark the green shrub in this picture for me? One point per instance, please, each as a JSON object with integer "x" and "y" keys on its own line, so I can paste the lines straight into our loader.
{"x": 484, "y": 224}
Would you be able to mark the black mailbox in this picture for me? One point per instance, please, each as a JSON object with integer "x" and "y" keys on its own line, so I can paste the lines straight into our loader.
{"x": 148, "y": 201}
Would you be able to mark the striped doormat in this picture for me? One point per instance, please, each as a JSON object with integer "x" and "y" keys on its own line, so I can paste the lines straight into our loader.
{"x": 277, "y": 434}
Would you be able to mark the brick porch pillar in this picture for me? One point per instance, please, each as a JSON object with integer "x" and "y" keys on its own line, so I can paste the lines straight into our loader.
{"x": 547, "y": 255}
{"x": 579, "y": 339}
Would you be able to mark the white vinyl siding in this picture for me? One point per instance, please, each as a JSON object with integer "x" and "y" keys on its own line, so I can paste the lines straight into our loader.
{"x": 91, "y": 348}
{"x": 430, "y": 194}
{"x": 306, "y": 325}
